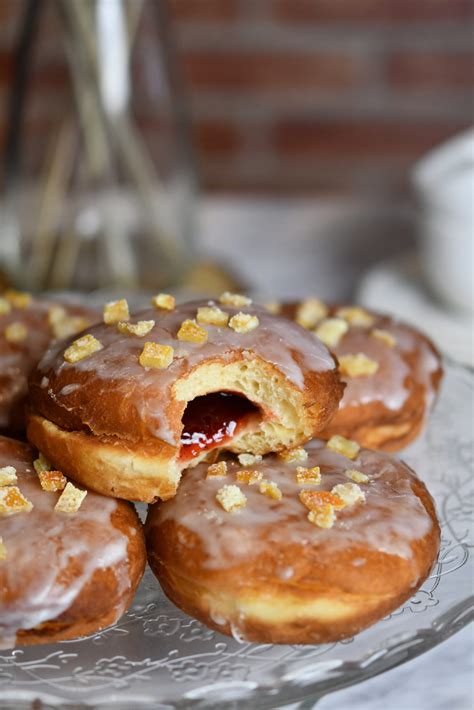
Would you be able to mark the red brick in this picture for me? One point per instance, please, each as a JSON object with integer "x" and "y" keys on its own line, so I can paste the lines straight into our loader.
{"x": 362, "y": 139}
{"x": 431, "y": 71}
{"x": 372, "y": 11}
{"x": 10, "y": 12}
{"x": 6, "y": 67}
{"x": 216, "y": 138}
{"x": 264, "y": 71}
{"x": 198, "y": 10}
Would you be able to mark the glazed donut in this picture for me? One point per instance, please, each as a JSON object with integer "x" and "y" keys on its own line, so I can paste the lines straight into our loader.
{"x": 391, "y": 370}
{"x": 27, "y": 326}
{"x": 281, "y": 552}
{"x": 62, "y": 574}
{"x": 155, "y": 396}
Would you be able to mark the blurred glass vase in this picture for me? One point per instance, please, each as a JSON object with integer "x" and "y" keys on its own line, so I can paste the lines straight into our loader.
{"x": 99, "y": 181}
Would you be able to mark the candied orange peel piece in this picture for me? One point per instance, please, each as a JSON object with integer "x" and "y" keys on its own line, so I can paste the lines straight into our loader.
{"x": 357, "y": 365}
{"x": 164, "y": 302}
{"x": 349, "y": 493}
{"x": 18, "y": 299}
{"x": 63, "y": 325}
{"x": 294, "y": 455}
{"x": 331, "y": 330}
{"x": 249, "y": 477}
{"x": 243, "y": 322}
{"x": 356, "y": 476}
{"x": 116, "y": 311}
{"x": 249, "y": 459}
{"x": 156, "y": 356}
{"x": 270, "y": 489}
{"x": 212, "y": 315}
{"x": 70, "y": 499}
{"x": 315, "y": 499}
{"x": 234, "y": 299}
{"x": 5, "y": 306}
{"x": 310, "y": 312}
{"x": 7, "y": 475}
{"x": 346, "y": 447}
{"x": 41, "y": 464}
{"x": 13, "y": 501}
{"x": 323, "y": 517}
{"x": 191, "y": 332}
{"x": 82, "y": 348}
{"x": 217, "y": 470}
{"x": 308, "y": 476}
{"x": 52, "y": 481}
{"x": 231, "y": 498}
{"x": 139, "y": 329}
{"x": 16, "y": 332}
{"x": 273, "y": 307}
{"x": 355, "y": 315}
{"x": 385, "y": 336}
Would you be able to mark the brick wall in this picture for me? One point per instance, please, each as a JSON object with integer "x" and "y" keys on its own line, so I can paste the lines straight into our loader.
{"x": 310, "y": 96}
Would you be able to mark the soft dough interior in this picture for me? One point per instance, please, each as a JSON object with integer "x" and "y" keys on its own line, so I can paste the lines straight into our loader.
{"x": 270, "y": 422}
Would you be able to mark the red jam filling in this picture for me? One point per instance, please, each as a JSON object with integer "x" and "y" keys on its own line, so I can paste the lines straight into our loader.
{"x": 212, "y": 420}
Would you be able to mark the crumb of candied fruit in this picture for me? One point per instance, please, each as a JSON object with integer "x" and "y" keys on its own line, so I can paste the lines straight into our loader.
{"x": 315, "y": 499}
{"x": 345, "y": 447}
{"x": 140, "y": 329}
{"x": 270, "y": 489}
{"x": 294, "y": 455}
{"x": 349, "y": 493}
{"x": 357, "y": 365}
{"x": 41, "y": 464}
{"x": 308, "y": 476}
{"x": 191, "y": 332}
{"x": 384, "y": 336}
{"x": 217, "y": 470}
{"x": 212, "y": 315}
{"x": 7, "y": 475}
{"x": 243, "y": 322}
{"x": 18, "y": 299}
{"x": 13, "y": 501}
{"x": 81, "y": 348}
{"x": 234, "y": 299}
{"x": 273, "y": 307}
{"x": 356, "y": 476}
{"x": 249, "y": 476}
{"x": 116, "y": 311}
{"x": 3, "y": 550}
{"x": 70, "y": 499}
{"x": 16, "y": 332}
{"x": 249, "y": 459}
{"x": 164, "y": 301}
{"x": 55, "y": 314}
{"x": 52, "y": 481}
{"x": 310, "y": 312}
{"x": 5, "y": 307}
{"x": 331, "y": 330}
{"x": 323, "y": 516}
{"x": 156, "y": 356}
{"x": 355, "y": 315}
{"x": 62, "y": 325}
{"x": 231, "y": 498}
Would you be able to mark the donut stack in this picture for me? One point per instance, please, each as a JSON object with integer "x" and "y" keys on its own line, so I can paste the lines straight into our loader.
{"x": 242, "y": 426}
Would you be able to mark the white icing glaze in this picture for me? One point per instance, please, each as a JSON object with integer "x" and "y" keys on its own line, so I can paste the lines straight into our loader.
{"x": 390, "y": 520}
{"x": 17, "y": 360}
{"x": 389, "y": 384}
{"x": 288, "y": 346}
{"x": 41, "y": 545}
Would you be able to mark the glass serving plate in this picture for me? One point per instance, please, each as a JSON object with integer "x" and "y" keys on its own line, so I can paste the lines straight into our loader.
{"x": 158, "y": 657}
